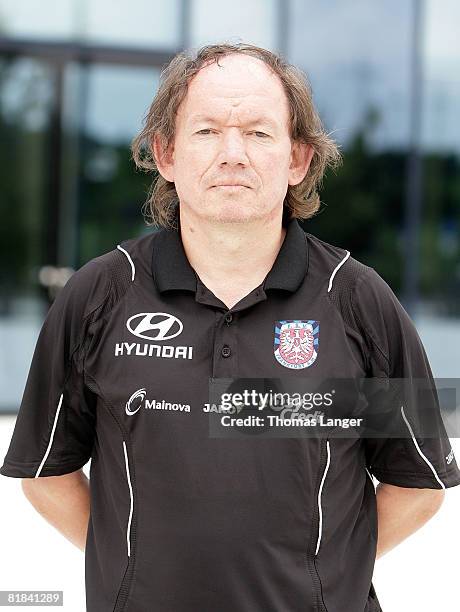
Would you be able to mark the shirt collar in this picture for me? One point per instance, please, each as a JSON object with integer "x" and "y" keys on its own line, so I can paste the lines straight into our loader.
{"x": 172, "y": 270}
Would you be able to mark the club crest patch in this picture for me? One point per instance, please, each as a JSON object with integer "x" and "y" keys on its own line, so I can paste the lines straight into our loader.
{"x": 296, "y": 343}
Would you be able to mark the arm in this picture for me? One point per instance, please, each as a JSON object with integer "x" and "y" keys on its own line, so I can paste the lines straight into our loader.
{"x": 402, "y": 511}
{"x": 63, "y": 501}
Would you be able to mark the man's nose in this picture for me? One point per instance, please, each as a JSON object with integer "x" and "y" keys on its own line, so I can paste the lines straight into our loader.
{"x": 232, "y": 147}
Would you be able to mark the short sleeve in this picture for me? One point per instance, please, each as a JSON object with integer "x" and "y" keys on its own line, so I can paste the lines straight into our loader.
{"x": 54, "y": 429}
{"x": 422, "y": 457}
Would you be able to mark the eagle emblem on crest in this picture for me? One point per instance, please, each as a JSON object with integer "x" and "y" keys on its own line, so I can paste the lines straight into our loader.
{"x": 296, "y": 343}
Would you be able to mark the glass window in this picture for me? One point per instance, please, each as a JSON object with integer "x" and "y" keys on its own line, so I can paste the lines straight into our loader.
{"x": 440, "y": 233}
{"x": 237, "y": 21}
{"x": 137, "y": 23}
{"x": 119, "y": 96}
{"x": 357, "y": 57}
{"x": 441, "y": 125}
{"x": 44, "y": 19}
{"x": 27, "y": 90}
{"x": 115, "y": 100}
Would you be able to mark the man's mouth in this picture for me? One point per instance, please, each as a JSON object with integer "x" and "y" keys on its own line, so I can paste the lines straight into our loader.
{"x": 231, "y": 186}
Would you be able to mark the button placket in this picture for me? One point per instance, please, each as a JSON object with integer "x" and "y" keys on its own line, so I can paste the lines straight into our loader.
{"x": 224, "y": 349}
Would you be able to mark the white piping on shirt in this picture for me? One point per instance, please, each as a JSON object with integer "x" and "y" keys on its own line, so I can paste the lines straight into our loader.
{"x": 129, "y": 259}
{"x": 370, "y": 476}
{"x": 51, "y": 438}
{"x": 128, "y": 529}
{"x": 336, "y": 269}
{"x": 430, "y": 465}
{"x": 320, "y": 528}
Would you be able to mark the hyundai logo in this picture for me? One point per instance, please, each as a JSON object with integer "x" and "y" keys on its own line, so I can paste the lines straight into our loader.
{"x": 154, "y": 325}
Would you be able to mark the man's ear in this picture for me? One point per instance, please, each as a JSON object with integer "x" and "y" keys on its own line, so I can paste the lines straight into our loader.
{"x": 301, "y": 156}
{"x": 163, "y": 157}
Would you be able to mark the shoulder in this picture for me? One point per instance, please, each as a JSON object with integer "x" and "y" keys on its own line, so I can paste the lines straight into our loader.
{"x": 356, "y": 290}
{"x": 105, "y": 279}
{"x": 336, "y": 266}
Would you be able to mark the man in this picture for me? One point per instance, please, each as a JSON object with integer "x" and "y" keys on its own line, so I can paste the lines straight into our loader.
{"x": 229, "y": 287}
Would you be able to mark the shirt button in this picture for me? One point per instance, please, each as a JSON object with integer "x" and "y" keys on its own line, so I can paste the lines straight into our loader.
{"x": 226, "y": 351}
{"x": 228, "y": 318}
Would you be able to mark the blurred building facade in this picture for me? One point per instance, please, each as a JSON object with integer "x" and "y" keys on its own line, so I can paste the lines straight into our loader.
{"x": 77, "y": 77}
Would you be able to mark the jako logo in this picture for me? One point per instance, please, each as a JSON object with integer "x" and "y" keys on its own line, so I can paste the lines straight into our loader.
{"x": 154, "y": 325}
{"x": 137, "y": 395}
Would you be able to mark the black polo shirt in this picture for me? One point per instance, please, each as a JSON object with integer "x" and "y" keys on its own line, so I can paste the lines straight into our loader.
{"x": 182, "y": 521}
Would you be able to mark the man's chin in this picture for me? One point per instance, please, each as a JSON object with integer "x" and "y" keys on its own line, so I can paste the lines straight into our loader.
{"x": 233, "y": 216}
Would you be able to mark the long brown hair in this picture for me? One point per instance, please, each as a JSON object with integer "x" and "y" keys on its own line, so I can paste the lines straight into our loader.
{"x": 302, "y": 200}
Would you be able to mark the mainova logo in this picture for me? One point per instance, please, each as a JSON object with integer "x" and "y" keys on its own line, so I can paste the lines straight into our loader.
{"x": 135, "y": 402}
{"x": 154, "y": 325}
{"x": 156, "y": 328}
{"x": 138, "y": 400}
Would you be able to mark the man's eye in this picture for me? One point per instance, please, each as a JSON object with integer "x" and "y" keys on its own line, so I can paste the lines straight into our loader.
{"x": 258, "y": 133}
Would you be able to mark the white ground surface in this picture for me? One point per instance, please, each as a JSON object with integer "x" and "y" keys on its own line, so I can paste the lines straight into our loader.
{"x": 421, "y": 574}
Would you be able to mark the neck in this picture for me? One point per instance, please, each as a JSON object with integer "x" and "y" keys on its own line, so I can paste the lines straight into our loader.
{"x": 231, "y": 258}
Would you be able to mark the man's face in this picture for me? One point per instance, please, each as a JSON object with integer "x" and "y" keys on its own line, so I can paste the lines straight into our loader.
{"x": 233, "y": 128}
